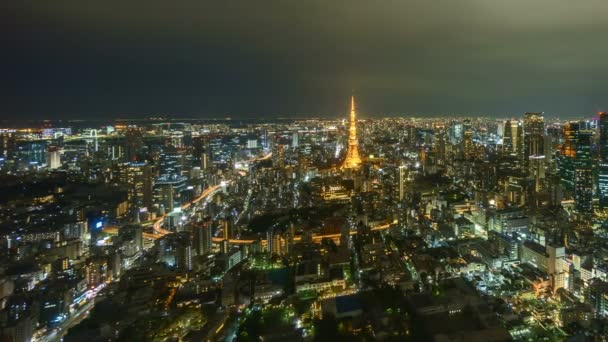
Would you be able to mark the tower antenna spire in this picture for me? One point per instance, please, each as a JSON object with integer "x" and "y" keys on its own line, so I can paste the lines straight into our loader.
{"x": 353, "y": 160}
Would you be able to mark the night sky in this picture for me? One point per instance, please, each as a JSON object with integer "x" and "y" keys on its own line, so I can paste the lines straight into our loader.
{"x": 253, "y": 58}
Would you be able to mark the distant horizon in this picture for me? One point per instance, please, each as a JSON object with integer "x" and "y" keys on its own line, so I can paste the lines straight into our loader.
{"x": 227, "y": 118}
{"x": 68, "y": 59}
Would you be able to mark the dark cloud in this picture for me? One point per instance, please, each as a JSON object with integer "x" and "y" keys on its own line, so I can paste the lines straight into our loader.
{"x": 279, "y": 58}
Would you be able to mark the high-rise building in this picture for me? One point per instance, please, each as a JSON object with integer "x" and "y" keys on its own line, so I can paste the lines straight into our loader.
{"x": 567, "y": 155}
{"x": 467, "y": 145}
{"x": 295, "y": 139}
{"x": 53, "y": 158}
{"x": 512, "y": 141}
{"x": 8, "y": 144}
{"x": 138, "y": 179}
{"x": 166, "y": 192}
{"x": 507, "y": 138}
{"x": 533, "y": 137}
{"x": 252, "y": 143}
{"x": 201, "y": 155}
{"x": 402, "y": 180}
{"x": 583, "y": 172}
{"x": 603, "y": 139}
{"x": 603, "y": 160}
{"x": 455, "y": 133}
{"x": 596, "y": 295}
{"x": 202, "y": 237}
{"x": 352, "y": 160}
{"x": 134, "y": 144}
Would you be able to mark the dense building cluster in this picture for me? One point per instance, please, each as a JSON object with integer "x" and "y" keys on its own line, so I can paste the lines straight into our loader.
{"x": 315, "y": 229}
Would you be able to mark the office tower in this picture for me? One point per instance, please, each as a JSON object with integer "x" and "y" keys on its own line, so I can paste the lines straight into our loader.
{"x": 583, "y": 171}
{"x": 467, "y": 145}
{"x": 567, "y": 153}
{"x": 205, "y": 148}
{"x": 277, "y": 151}
{"x": 352, "y": 160}
{"x": 500, "y": 128}
{"x": 252, "y": 143}
{"x": 533, "y": 137}
{"x": 167, "y": 200}
{"x": 295, "y": 139}
{"x": 517, "y": 132}
{"x": 411, "y": 135}
{"x": 536, "y": 166}
{"x": 134, "y": 144}
{"x": 198, "y": 152}
{"x": 171, "y": 183}
{"x": 603, "y": 160}
{"x": 603, "y": 138}
{"x": 148, "y": 186}
{"x": 455, "y": 133}
{"x": 555, "y": 191}
{"x": 596, "y": 295}
{"x": 507, "y": 139}
{"x": 132, "y": 233}
{"x": 512, "y": 141}
{"x": 226, "y": 227}
{"x": 8, "y": 144}
{"x": 53, "y": 158}
{"x": 202, "y": 237}
{"x": 183, "y": 256}
{"x": 270, "y": 237}
{"x": 402, "y": 180}
{"x": 345, "y": 235}
{"x": 138, "y": 180}
{"x": 439, "y": 147}
{"x": 93, "y": 135}
{"x": 171, "y": 163}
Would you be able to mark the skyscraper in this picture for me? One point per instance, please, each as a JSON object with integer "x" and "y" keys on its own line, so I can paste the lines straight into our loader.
{"x": 512, "y": 137}
{"x": 603, "y": 161}
{"x": 352, "y": 160}
{"x": 507, "y": 138}
{"x": 8, "y": 144}
{"x": 202, "y": 238}
{"x": 533, "y": 136}
{"x": 583, "y": 171}
{"x": 138, "y": 180}
{"x": 53, "y": 158}
{"x": 134, "y": 143}
{"x": 295, "y": 139}
{"x": 402, "y": 180}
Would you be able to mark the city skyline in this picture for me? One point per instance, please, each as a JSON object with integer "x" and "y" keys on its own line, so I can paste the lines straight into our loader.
{"x": 347, "y": 228}
{"x": 248, "y": 171}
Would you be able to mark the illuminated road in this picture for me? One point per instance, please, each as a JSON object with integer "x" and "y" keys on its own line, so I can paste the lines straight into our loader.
{"x": 268, "y": 156}
{"x": 206, "y": 193}
{"x": 159, "y": 231}
{"x": 315, "y": 238}
{"x": 159, "y": 221}
{"x": 74, "y": 319}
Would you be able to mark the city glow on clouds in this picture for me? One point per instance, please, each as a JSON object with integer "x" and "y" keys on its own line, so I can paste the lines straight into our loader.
{"x": 280, "y": 58}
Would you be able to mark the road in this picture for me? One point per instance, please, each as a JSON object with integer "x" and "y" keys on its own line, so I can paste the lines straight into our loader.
{"x": 315, "y": 238}
{"x": 60, "y": 331}
{"x": 75, "y": 318}
{"x": 157, "y": 226}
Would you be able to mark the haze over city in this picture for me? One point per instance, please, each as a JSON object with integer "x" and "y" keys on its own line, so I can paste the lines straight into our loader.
{"x": 71, "y": 59}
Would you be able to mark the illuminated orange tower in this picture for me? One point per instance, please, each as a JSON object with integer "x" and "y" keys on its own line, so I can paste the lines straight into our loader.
{"x": 353, "y": 160}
